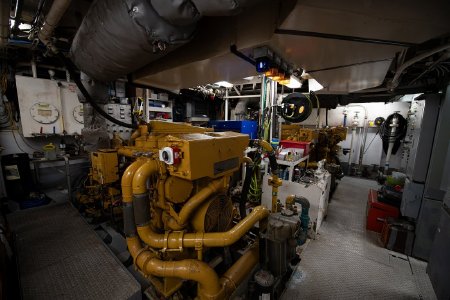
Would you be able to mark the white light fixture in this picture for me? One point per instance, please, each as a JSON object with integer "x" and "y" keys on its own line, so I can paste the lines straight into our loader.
{"x": 249, "y": 78}
{"x": 12, "y": 23}
{"x": 225, "y": 84}
{"x": 24, "y": 26}
{"x": 314, "y": 85}
{"x": 294, "y": 83}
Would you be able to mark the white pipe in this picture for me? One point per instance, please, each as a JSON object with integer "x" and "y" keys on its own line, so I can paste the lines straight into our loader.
{"x": 393, "y": 126}
{"x": 351, "y": 149}
{"x": 364, "y": 135}
{"x": 243, "y": 96}
{"x": 33, "y": 69}
{"x": 226, "y": 105}
{"x": 54, "y": 15}
{"x": 395, "y": 81}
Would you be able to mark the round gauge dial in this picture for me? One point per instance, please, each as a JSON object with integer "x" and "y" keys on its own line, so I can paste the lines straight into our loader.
{"x": 78, "y": 114}
{"x": 44, "y": 113}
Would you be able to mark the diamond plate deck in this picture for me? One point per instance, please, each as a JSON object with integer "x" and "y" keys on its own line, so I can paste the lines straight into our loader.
{"x": 61, "y": 257}
{"x": 346, "y": 261}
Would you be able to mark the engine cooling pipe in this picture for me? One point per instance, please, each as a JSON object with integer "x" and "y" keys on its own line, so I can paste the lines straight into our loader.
{"x": 56, "y": 12}
{"x": 195, "y": 201}
{"x": 190, "y": 269}
{"x": 180, "y": 240}
{"x": 209, "y": 285}
{"x": 127, "y": 198}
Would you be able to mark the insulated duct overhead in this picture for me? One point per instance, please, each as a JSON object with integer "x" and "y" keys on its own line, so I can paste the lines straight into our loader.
{"x": 119, "y": 37}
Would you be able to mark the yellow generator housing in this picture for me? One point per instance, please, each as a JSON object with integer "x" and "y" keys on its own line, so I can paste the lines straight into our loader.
{"x": 176, "y": 206}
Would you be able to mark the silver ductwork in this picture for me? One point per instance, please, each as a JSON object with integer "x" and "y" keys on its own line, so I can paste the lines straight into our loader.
{"x": 119, "y": 37}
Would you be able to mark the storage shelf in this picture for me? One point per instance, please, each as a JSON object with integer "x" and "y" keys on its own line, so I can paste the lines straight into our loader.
{"x": 160, "y": 109}
{"x": 292, "y": 163}
{"x": 162, "y": 100}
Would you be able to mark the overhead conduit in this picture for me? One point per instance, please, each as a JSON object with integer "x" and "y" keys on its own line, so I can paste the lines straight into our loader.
{"x": 144, "y": 30}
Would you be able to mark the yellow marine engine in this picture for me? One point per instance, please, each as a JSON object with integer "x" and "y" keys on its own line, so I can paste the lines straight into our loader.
{"x": 179, "y": 220}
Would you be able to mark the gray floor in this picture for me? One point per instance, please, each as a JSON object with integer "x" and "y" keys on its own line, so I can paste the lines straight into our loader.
{"x": 346, "y": 261}
{"x": 61, "y": 257}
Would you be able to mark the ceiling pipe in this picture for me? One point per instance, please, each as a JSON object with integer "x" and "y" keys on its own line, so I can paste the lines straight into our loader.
{"x": 4, "y": 23}
{"x": 396, "y": 80}
{"x": 56, "y": 12}
{"x": 119, "y": 37}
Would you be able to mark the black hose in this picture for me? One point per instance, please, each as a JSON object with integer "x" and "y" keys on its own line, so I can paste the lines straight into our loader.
{"x": 71, "y": 68}
{"x": 387, "y": 136}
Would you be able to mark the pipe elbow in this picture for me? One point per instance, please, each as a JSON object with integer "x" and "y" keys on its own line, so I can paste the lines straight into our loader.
{"x": 303, "y": 202}
{"x": 139, "y": 184}
{"x": 127, "y": 179}
{"x": 190, "y": 269}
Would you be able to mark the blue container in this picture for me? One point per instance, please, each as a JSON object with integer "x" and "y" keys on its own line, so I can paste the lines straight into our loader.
{"x": 247, "y": 127}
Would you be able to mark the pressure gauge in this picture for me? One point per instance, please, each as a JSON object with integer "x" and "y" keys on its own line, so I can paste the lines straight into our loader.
{"x": 78, "y": 114}
{"x": 44, "y": 113}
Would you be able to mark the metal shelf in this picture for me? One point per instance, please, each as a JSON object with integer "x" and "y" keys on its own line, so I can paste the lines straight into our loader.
{"x": 160, "y": 109}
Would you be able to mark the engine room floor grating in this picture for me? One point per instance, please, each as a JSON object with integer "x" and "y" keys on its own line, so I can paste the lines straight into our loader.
{"x": 61, "y": 257}
{"x": 346, "y": 261}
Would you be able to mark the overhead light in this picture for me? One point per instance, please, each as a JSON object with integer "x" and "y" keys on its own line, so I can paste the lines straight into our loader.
{"x": 24, "y": 26}
{"x": 292, "y": 82}
{"x": 225, "y": 84}
{"x": 249, "y": 78}
{"x": 314, "y": 85}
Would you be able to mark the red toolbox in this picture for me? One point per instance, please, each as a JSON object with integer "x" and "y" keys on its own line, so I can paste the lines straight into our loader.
{"x": 295, "y": 144}
{"x": 377, "y": 212}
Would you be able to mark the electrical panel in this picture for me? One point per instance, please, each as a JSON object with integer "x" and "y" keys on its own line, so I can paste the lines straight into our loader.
{"x": 48, "y": 107}
{"x": 121, "y": 112}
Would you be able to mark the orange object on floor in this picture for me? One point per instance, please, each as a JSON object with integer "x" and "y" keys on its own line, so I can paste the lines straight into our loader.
{"x": 377, "y": 212}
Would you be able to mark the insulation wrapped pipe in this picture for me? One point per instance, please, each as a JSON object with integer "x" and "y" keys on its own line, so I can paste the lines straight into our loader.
{"x": 118, "y": 37}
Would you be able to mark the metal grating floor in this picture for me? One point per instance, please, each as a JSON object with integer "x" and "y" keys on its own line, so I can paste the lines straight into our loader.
{"x": 61, "y": 257}
{"x": 346, "y": 261}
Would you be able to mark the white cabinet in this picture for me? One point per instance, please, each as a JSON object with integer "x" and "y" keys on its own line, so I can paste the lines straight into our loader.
{"x": 317, "y": 193}
{"x": 48, "y": 107}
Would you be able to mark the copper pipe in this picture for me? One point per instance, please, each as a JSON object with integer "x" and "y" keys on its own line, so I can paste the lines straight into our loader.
{"x": 127, "y": 178}
{"x": 190, "y": 269}
{"x": 139, "y": 185}
{"x": 179, "y": 240}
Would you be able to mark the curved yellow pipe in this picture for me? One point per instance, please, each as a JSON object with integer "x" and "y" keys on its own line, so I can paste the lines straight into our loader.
{"x": 195, "y": 201}
{"x": 179, "y": 240}
{"x": 127, "y": 178}
{"x": 235, "y": 275}
{"x": 139, "y": 185}
{"x": 190, "y": 269}
{"x": 134, "y": 136}
{"x": 265, "y": 145}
